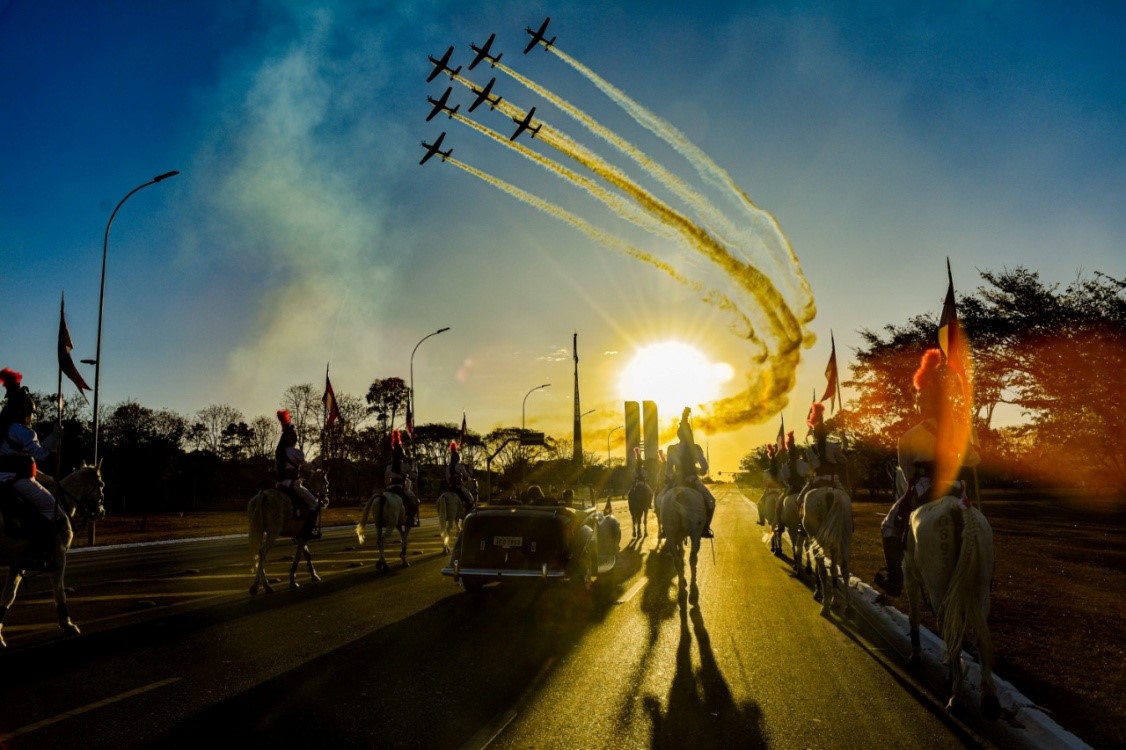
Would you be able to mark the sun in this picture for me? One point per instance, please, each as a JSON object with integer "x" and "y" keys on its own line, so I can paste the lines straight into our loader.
{"x": 673, "y": 375}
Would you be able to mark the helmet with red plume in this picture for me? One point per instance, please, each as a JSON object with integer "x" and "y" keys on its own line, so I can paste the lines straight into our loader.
{"x": 816, "y": 414}
{"x": 284, "y": 418}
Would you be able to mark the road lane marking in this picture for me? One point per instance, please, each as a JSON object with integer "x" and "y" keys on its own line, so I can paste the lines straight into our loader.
{"x": 84, "y": 709}
{"x": 632, "y": 591}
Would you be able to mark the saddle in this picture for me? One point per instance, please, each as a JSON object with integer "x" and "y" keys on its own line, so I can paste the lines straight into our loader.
{"x": 297, "y": 503}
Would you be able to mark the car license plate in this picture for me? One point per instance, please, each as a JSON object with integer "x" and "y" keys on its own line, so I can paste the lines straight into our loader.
{"x": 508, "y": 541}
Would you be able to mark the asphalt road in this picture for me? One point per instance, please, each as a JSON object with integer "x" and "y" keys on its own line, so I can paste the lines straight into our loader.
{"x": 405, "y": 659}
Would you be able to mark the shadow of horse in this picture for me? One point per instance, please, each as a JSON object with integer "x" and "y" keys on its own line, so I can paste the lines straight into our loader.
{"x": 640, "y": 499}
{"x": 701, "y": 710}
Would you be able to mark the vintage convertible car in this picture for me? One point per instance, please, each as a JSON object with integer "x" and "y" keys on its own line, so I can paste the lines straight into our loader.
{"x": 545, "y": 539}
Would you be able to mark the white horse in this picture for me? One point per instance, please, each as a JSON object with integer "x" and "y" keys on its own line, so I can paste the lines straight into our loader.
{"x": 799, "y": 541}
{"x": 451, "y": 512}
{"x": 827, "y": 519}
{"x": 640, "y": 498}
{"x": 949, "y": 555}
{"x": 270, "y": 516}
{"x": 771, "y": 509}
{"x": 79, "y": 493}
{"x": 685, "y": 515}
{"x": 387, "y": 509}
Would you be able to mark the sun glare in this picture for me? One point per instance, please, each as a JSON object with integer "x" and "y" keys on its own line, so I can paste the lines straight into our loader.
{"x": 673, "y": 375}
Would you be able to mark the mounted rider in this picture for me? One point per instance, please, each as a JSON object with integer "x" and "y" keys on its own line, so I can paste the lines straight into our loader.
{"x": 640, "y": 475}
{"x": 289, "y": 461}
{"x": 827, "y": 459}
{"x": 686, "y": 461}
{"x": 927, "y": 457}
{"x": 771, "y": 479}
{"x": 398, "y": 478}
{"x": 21, "y": 453}
{"x": 458, "y": 479}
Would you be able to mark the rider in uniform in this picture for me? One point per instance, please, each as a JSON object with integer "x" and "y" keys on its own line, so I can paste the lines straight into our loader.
{"x": 826, "y": 458}
{"x": 457, "y": 478}
{"x": 685, "y": 461}
{"x": 794, "y": 472}
{"x": 771, "y": 480}
{"x": 398, "y": 475}
{"x": 20, "y": 456}
{"x": 919, "y": 449}
{"x": 289, "y": 460}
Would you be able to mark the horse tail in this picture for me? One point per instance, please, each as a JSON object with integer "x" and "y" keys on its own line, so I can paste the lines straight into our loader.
{"x": 364, "y": 520}
{"x": 966, "y": 605}
{"x": 254, "y": 512}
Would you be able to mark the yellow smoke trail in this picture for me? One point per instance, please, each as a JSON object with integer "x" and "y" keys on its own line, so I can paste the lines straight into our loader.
{"x": 704, "y": 165}
{"x": 691, "y": 197}
{"x": 773, "y": 376}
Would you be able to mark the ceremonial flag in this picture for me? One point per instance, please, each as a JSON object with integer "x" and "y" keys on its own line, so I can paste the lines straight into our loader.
{"x": 832, "y": 386}
{"x": 332, "y": 409}
{"x": 410, "y": 421}
{"x": 950, "y": 339}
{"x": 66, "y": 364}
{"x": 780, "y": 441}
{"x": 461, "y": 441}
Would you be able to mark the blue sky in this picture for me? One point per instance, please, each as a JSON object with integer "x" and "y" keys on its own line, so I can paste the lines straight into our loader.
{"x": 881, "y": 137}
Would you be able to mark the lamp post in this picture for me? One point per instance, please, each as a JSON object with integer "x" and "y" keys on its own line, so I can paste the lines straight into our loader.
{"x": 523, "y": 414}
{"x": 413, "y": 413}
{"x": 611, "y": 432}
{"x": 101, "y": 299}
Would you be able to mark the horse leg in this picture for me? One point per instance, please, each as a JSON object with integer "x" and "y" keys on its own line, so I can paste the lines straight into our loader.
{"x": 298, "y": 544}
{"x": 65, "y": 623}
{"x": 262, "y": 552}
{"x": 309, "y": 564}
{"x": 404, "y": 532}
{"x": 915, "y": 606}
{"x": 11, "y": 585}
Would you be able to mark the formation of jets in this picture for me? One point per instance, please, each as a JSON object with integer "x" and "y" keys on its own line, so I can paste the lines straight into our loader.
{"x": 434, "y": 148}
{"x": 482, "y": 53}
{"x": 538, "y": 38}
{"x": 443, "y": 65}
{"x": 483, "y": 96}
{"x": 440, "y": 105}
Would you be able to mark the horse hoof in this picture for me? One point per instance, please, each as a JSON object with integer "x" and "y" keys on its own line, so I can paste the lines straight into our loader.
{"x": 818, "y": 596}
{"x": 914, "y": 661}
{"x": 405, "y": 563}
{"x": 990, "y": 707}
{"x": 254, "y": 590}
{"x": 294, "y": 585}
{"x": 268, "y": 589}
{"x": 70, "y": 630}
{"x": 315, "y": 578}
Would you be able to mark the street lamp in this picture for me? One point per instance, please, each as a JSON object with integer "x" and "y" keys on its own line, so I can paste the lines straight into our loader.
{"x": 523, "y": 413}
{"x": 101, "y": 298}
{"x": 414, "y": 414}
{"x": 611, "y": 432}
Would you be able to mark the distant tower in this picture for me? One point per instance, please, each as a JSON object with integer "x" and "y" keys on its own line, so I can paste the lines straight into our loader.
{"x": 577, "y": 456}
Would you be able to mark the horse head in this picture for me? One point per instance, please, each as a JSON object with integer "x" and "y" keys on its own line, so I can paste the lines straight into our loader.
{"x": 83, "y": 492}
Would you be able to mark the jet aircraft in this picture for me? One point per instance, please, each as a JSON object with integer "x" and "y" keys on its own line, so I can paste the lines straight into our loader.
{"x": 433, "y": 148}
{"x": 440, "y": 105}
{"x": 443, "y": 65}
{"x": 537, "y": 37}
{"x": 483, "y": 96}
{"x": 524, "y": 125}
{"x": 483, "y": 53}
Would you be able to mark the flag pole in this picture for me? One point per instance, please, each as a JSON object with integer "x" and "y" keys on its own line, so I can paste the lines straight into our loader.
{"x": 59, "y": 400}
{"x": 325, "y": 436}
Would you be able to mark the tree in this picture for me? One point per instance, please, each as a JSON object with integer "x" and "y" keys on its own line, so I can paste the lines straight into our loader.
{"x": 385, "y": 398}
{"x": 303, "y": 403}
{"x": 266, "y": 431}
{"x": 211, "y": 423}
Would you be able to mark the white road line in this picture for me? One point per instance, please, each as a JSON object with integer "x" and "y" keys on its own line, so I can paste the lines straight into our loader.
{"x": 632, "y": 591}
{"x": 90, "y": 707}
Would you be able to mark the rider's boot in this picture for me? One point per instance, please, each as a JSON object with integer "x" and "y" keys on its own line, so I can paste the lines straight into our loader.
{"x": 309, "y": 529}
{"x": 708, "y": 533}
{"x": 892, "y": 583}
